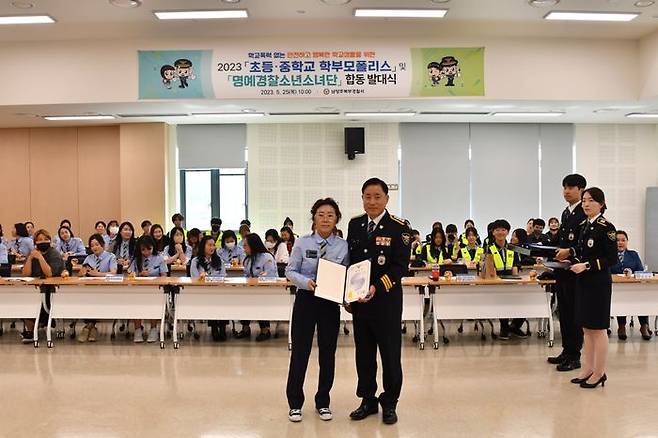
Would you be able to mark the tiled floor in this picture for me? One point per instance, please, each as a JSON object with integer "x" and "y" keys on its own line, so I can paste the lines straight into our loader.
{"x": 468, "y": 388}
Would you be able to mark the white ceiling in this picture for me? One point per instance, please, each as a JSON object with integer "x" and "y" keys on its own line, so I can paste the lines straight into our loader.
{"x": 576, "y": 111}
{"x": 84, "y": 19}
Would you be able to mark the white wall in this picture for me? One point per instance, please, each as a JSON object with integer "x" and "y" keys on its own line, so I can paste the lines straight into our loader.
{"x": 623, "y": 161}
{"x": 292, "y": 165}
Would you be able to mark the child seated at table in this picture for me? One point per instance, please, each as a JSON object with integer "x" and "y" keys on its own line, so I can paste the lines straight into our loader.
{"x": 210, "y": 264}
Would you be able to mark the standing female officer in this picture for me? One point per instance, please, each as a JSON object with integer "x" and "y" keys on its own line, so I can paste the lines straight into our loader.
{"x": 595, "y": 254}
{"x": 310, "y": 311}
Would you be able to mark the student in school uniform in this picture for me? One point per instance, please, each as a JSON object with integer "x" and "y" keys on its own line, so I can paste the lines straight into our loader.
{"x": 97, "y": 264}
{"x": 506, "y": 262}
{"x": 30, "y": 229}
{"x": 3, "y": 239}
{"x": 177, "y": 219}
{"x": 243, "y": 231}
{"x": 463, "y": 240}
{"x": 177, "y": 252}
{"x": 452, "y": 241}
{"x": 288, "y": 237}
{"x": 68, "y": 245}
{"x": 257, "y": 263}
{"x": 210, "y": 264}
{"x": 159, "y": 237}
{"x": 22, "y": 245}
{"x": 471, "y": 253}
{"x": 435, "y": 252}
{"x": 193, "y": 240}
{"x": 124, "y": 246}
{"x": 101, "y": 228}
{"x": 112, "y": 233}
{"x": 43, "y": 262}
{"x": 276, "y": 246}
{"x": 230, "y": 250}
{"x": 147, "y": 264}
{"x": 146, "y": 227}
{"x": 4, "y": 253}
{"x": 310, "y": 311}
{"x": 553, "y": 234}
{"x": 62, "y": 223}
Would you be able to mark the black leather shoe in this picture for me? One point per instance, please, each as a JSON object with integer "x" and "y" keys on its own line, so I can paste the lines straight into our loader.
{"x": 365, "y": 410}
{"x": 569, "y": 365}
{"x": 557, "y": 360}
{"x": 244, "y": 333}
{"x": 389, "y": 416}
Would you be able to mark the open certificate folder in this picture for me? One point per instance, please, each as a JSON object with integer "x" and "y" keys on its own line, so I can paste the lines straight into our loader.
{"x": 341, "y": 284}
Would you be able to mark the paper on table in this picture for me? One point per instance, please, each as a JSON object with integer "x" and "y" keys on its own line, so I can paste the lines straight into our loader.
{"x": 358, "y": 281}
{"x": 330, "y": 282}
{"x": 19, "y": 278}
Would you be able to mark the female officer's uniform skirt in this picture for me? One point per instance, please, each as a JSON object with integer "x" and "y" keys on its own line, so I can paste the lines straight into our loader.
{"x": 593, "y": 296}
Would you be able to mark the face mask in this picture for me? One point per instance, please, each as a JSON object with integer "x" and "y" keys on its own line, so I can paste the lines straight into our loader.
{"x": 269, "y": 245}
{"x": 230, "y": 245}
{"x": 43, "y": 246}
{"x": 215, "y": 227}
{"x": 114, "y": 230}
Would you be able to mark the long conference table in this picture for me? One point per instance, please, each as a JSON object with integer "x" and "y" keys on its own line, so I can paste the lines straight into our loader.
{"x": 183, "y": 298}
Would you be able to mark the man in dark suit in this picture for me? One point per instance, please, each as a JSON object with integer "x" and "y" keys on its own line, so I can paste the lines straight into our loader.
{"x": 384, "y": 240}
{"x": 572, "y": 216}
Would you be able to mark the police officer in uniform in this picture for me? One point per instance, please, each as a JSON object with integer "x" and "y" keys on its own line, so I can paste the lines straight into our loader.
{"x": 385, "y": 241}
{"x": 572, "y": 216}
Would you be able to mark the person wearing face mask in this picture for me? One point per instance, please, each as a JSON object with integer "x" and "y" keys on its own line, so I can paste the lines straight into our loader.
{"x": 22, "y": 245}
{"x": 276, "y": 247}
{"x": 44, "y": 261}
{"x": 310, "y": 311}
{"x": 177, "y": 252}
{"x": 230, "y": 251}
{"x": 147, "y": 264}
{"x": 68, "y": 245}
{"x": 99, "y": 263}
{"x": 209, "y": 263}
{"x": 112, "y": 233}
{"x": 216, "y": 231}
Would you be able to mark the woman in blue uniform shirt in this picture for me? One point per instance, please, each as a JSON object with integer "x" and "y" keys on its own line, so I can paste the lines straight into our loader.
{"x": 4, "y": 254}
{"x": 258, "y": 262}
{"x": 97, "y": 264}
{"x": 68, "y": 245}
{"x": 101, "y": 229}
{"x": 112, "y": 233}
{"x": 211, "y": 264}
{"x": 124, "y": 245}
{"x": 177, "y": 252}
{"x": 147, "y": 264}
{"x": 230, "y": 250}
{"x": 310, "y": 311}
{"x": 160, "y": 238}
{"x": 22, "y": 245}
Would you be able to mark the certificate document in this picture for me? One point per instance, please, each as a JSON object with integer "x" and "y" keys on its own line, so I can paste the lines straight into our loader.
{"x": 340, "y": 284}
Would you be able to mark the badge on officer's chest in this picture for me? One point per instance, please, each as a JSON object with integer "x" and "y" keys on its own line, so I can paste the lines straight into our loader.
{"x": 590, "y": 243}
{"x": 571, "y": 236}
{"x": 381, "y": 260}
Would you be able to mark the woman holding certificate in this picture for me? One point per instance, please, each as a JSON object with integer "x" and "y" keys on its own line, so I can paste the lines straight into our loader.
{"x": 311, "y": 311}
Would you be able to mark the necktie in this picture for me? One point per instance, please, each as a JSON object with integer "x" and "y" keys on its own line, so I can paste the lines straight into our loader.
{"x": 98, "y": 263}
{"x": 146, "y": 264}
{"x": 620, "y": 256}
{"x": 323, "y": 249}
{"x": 66, "y": 247}
{"x": 565, "y": 214}
{"x": 371, "y": 228}
{"x": 124, "y": 251}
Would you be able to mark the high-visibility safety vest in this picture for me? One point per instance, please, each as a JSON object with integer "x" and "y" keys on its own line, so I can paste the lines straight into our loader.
{"x": 464, "y": 239}
{"x": 498, "y": 260}
{"x": 466, "y": 255}
{"x": 218, "y": 242}
{"x": 430, "y": 258}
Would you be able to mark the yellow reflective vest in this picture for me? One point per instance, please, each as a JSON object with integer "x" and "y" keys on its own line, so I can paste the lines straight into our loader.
{"x": 498, "y": 259}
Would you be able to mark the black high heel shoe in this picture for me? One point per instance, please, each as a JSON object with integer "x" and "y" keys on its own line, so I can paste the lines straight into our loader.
{"x": 595, "y": 384}
{"x": 578, "y": 381}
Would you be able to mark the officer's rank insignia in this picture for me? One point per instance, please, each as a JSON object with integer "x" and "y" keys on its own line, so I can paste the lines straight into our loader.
{"x": 406, "y": 238}
{"x": 612, "y": 235}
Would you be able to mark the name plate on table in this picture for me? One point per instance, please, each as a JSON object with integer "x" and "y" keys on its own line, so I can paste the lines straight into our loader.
{"x": 145, "y": 278}
{"x": 215, "y": 279}
{"x": 643, "y": 275}
{"x": 465, "y": 278}
{"x": 270, "y": 279}
{"x": 19, "y": 279}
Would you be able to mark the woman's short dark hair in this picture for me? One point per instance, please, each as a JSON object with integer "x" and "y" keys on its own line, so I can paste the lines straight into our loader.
{"x": 574, "y": 180}
{"x": 177, "y": 216}
{"x": 598, "y": 196}
{"x": 522, "y": 235}
{"x": 451, "y": 228}
{"x": 539, "y": 221}
{"x": 98, "y": 238}
{"x": 146, "y": 223}
{"x": 468, "y": 221}
{"x": 622, "y": 232}
{"x": 21, "y": 230}
{"x": 375, "y": 182}
{"x": 228, "y": 234}
{"x": 501, "y": 223}
{"x": 99, "y": 223}
{"x": 554, "y": 219}
{"x": 65, "y": 221}
{"x": 471, "y": 230}
{"x": 64, "y": 227}
{"x": 326, "y": 201}
{"x": 113, "y": 222}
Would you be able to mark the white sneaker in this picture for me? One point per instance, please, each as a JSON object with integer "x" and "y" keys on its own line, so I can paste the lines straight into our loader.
{"x": 295, "y": 415}
{"x": 325, "y": 414}
{"x": 139, "y": 336}
{"x": 154, "y": 336}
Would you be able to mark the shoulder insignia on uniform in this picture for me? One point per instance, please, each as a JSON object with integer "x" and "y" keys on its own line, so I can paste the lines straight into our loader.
{"x": 612, "y": 235}
{"x": 601, "y": 221}
{"x": 399, "y": 220}
{"x": 406, "y": 238}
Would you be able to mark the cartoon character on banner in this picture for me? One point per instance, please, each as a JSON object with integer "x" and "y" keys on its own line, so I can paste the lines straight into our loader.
{"x": 184, "y": 72}
{"x": 168, "y": 74}
{"x": 447, "y": 69}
